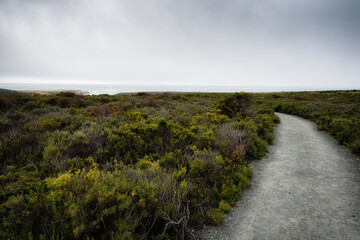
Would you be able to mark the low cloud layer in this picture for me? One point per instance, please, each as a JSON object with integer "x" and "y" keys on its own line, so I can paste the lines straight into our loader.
{"x": 225, "y": 42}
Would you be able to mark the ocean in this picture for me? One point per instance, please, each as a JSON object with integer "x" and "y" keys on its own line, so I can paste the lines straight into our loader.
{"x": 111, "y": 89}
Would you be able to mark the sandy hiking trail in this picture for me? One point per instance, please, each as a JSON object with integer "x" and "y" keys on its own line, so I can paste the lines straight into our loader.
{"x": 308, "y": 187}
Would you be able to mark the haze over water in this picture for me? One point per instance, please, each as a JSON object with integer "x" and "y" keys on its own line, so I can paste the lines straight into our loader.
{"x": 96, "y": 89}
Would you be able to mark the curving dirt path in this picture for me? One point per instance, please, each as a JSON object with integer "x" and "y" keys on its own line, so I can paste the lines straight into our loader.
{"x": 308, "y": 187}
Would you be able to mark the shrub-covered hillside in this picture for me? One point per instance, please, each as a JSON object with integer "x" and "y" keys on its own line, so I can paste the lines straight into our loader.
{"x": 337, "y": 112}
{"x": 141, "y": 166}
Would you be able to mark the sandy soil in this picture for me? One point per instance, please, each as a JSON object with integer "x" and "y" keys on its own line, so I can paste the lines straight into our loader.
{"x": 308, "y": 187}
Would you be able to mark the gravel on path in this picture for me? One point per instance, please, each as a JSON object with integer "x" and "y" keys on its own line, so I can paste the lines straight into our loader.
{"x": 308, "y": 187}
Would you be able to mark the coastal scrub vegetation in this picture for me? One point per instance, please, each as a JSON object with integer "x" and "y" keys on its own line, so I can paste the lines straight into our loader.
{"x": 138, "y": 166}
{"x": 336, "y": 112}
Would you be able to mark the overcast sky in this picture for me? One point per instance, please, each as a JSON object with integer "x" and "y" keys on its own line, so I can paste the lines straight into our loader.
{"x": 305, "y": 43}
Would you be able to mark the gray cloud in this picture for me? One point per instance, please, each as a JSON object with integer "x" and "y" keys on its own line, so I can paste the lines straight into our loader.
{"x": 234, "y": 42}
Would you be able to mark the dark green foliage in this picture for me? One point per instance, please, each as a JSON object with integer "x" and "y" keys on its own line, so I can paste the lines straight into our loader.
{"x": 237, "y": 104}
{"x": 5, "y": 92}
{"x": 128, "y": 166}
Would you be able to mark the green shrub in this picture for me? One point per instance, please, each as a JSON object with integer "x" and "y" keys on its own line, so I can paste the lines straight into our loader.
{"x": 355, "y": 146}
{"x": 236, "y": 105}
{"x": 128, "y": 166}
{"x": 224, "y": 206}
{"x": 342, "y": 129}
{"x": 216, "y": 216}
